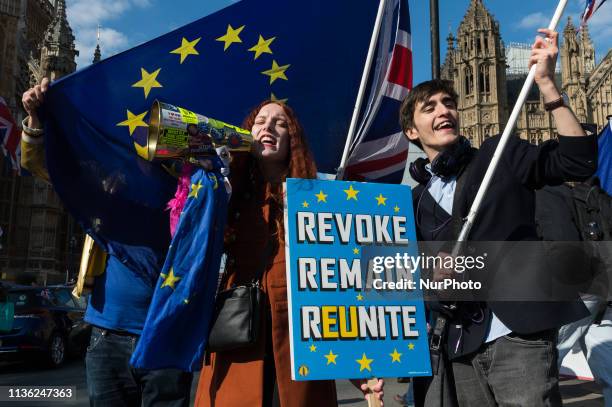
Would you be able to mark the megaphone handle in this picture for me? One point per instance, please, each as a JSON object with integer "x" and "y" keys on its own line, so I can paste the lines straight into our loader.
{"x": 372, "y": 400}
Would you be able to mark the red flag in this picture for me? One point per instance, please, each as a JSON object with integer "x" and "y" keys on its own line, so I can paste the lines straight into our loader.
{"x": 10, "y": 136}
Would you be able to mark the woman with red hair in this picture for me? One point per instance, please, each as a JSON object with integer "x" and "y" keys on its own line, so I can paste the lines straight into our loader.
{"x": 260, "y": 375}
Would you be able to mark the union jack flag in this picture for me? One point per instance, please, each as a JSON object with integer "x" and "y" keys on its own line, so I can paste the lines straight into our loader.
{"x": 590, "y": 8}
{"x": 10, "y": 137}
{"x": 380, "y": 149}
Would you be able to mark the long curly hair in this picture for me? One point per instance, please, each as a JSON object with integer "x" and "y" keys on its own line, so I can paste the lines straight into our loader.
{"x": 300, "y": 162}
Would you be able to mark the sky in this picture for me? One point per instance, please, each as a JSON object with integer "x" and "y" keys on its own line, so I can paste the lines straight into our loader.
{"x": 127, "y": 23}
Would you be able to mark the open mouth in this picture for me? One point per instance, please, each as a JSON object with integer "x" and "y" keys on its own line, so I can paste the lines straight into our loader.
{"x": 268, "y": 141}
{"x": 445, "y": 125}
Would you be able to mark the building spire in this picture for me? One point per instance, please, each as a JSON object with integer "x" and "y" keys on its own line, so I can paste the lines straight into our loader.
{"x": 58, "y": 52}
{"x": 97, "y": 53}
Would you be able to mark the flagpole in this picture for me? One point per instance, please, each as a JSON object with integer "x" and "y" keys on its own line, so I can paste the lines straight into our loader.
{"x": 362, "y": 88}
{"x": 434, "y": 24}
{"x": 484, "y": 186}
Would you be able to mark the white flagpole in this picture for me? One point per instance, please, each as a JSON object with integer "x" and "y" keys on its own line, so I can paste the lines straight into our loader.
{"x": 504, "y": 139}
{"x": 362, "y": 88}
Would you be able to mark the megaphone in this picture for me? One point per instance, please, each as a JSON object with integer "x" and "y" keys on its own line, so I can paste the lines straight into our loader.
{"x": 178, "y": 133}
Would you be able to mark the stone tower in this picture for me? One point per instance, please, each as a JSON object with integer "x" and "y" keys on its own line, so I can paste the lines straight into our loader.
{"x": 477, "y": 66}
{"x": 574, "y": 69}
{"x": 58, "y": 52}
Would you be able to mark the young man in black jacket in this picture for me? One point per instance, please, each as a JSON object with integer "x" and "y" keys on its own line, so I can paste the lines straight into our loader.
{"x": 502, "y": 352}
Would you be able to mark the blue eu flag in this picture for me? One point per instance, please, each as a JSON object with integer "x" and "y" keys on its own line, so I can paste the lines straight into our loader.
{"x": 174, "y": 335}
{"x": 604, "y": 170}
{"x": 309, "y": 53}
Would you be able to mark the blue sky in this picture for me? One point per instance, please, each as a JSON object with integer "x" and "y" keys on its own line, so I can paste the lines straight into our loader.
{"x": 126, "y": 23}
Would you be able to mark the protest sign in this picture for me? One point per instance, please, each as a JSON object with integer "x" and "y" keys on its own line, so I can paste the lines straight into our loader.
{"x": 355, "y": 307}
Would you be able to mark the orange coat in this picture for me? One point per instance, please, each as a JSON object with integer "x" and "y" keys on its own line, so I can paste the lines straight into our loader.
{"x": 236, "y": 378}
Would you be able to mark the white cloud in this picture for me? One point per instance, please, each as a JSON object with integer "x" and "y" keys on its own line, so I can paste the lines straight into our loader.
{"x": 111, "y": 42}
{"x": 84, "y": 17}
{"x": 534, "y": 20}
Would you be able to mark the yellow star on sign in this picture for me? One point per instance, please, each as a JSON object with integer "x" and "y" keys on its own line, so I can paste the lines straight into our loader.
{"x": 321, "y": 197}
{"x": 359, "y": 297}
{"x": 364, "y": 363}
{"x": 262, "y": 46}
{"x": 170, "y": 280}
{"x": 381, "y": 200}
{"x": 187, "y": 48}
{"x": 355, "y": 251}
{"x": 305, "y": 204}
{"x": 275, "y": 99}
{"x": 148, "y": 81}
{"x": 133, "y": 121}
{"x": 276, "y": 72}
{"x": 395, "y": 356}
{"x": 331, "y": 358}
{"x": 396, "y": 209}
{"x": 351, "y": 193}
{"x": 231, "y": 36}
{"x": 195, "y": 188}
{"x": 411, "y": 346}
{"x": 313, "y": 348}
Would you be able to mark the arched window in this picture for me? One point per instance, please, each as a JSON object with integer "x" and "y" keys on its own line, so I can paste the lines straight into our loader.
{"x": 469, "y": 80}
{"x": 484, "y": 84}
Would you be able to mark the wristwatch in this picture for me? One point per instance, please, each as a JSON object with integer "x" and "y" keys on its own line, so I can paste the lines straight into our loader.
{"x": 555, "y": 104}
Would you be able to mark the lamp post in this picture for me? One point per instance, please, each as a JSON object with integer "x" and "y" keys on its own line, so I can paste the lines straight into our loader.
{"x": 71, "y": 246}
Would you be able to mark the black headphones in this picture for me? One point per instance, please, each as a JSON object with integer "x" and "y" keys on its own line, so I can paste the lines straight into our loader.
{"x": 446, "y": 164}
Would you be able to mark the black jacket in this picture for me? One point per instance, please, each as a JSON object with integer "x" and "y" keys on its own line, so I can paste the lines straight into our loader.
{"x": 507, "y": 213}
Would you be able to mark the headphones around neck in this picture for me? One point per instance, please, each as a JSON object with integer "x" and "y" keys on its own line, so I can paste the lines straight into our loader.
{"x": 446, "y": 164}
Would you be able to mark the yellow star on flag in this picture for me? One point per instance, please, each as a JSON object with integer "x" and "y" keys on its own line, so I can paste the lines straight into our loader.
{"x": 313, "y": 348}
{"x": 351, "y": 193}
{"x": 133, "y": 121}
{"x": 395, "y": 356}
{"x": 321, "y": 197}
{"x": 355, "y": 251}
{"x": 231, "y": 36}
{"x": 276, "y": 72}
{"x": 359, "y": 297}
{"x": 381, "y": 200}
{"x": 195, "y": 188}
{"x": 411, "y": 346}
{"x": 396, "y": 209}
{"x": 187, "y": 48}
{"x": 331, "y": 358}
{"x": 148, "y": 81}
{"x": 262, "y": 46}
{"x": 275, "y": 99}
{"x": 170, "y": 280}
{"x": 364, "y": 363}
{"x": 305, "y": 204}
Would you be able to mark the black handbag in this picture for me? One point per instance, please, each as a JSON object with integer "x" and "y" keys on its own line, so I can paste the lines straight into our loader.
{"x": 236, "y": 319}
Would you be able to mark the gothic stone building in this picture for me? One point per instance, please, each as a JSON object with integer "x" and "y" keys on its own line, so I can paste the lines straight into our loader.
{"x": 40, "y": 242}
{"x": 476, "y": 63}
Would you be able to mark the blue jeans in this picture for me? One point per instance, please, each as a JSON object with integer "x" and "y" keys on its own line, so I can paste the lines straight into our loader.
{"x": 112, "y": 382}
{"x": 512, "y": 370}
